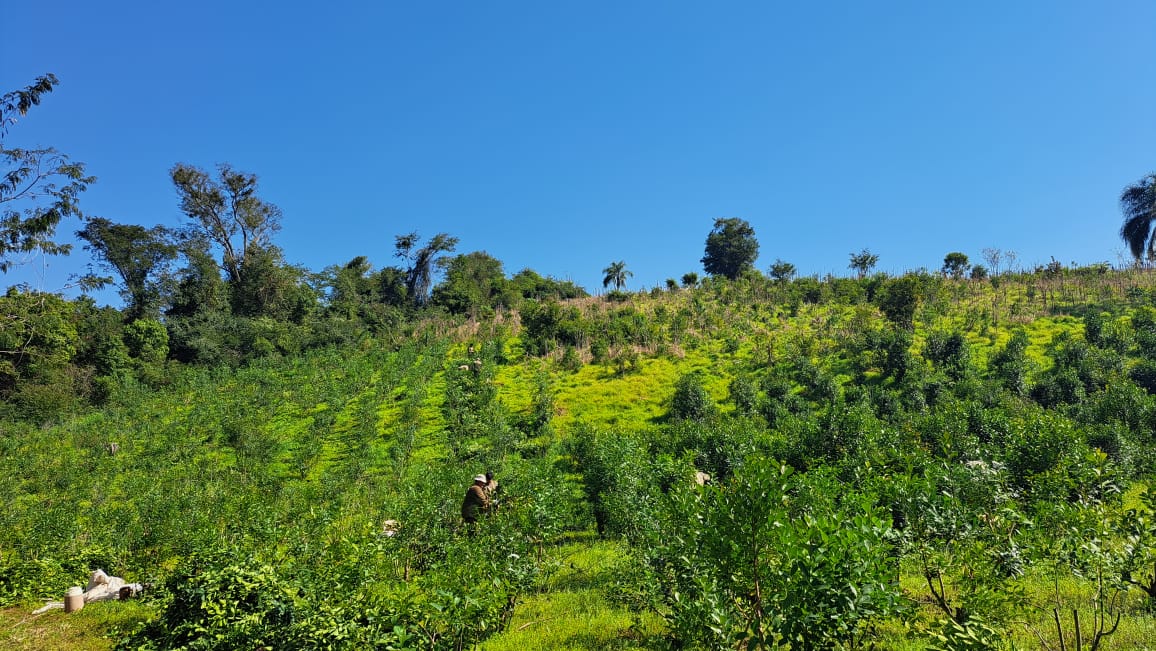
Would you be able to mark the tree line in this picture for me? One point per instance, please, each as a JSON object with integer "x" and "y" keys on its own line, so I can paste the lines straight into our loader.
{"x": 218, "y": 290}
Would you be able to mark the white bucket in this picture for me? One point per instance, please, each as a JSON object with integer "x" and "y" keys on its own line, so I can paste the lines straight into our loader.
{"x": 74, "y": 599}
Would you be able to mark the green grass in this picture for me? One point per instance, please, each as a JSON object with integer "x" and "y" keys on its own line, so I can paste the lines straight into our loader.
{"x": 576, "y": 612}
{"x": 93, "y": 628}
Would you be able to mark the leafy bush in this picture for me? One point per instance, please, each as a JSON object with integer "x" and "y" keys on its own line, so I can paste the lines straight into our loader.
{"x": 620, "y": 490}
{"x": 690, "y": 400}
{"x": 739, "y": 566}
{"x": 949, "y": 352}
{"x": 212, "y": 603}
{"x": 1039, "y": 447}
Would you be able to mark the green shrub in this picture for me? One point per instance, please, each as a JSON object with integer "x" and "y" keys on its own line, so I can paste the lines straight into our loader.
{"x": 737, "y": 567}
{"x": 690, "y": 400}
{"x": 744, "y": 396}
{"x": 211, "y": 603}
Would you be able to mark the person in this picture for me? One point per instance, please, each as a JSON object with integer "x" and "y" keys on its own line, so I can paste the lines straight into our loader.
{"x": 476, "y": 500}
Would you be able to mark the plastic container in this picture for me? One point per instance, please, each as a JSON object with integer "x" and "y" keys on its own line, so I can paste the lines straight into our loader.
{"x": 74, "y": 599}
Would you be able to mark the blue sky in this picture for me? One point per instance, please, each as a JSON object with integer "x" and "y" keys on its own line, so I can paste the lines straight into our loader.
{"x": 562, "y": 136}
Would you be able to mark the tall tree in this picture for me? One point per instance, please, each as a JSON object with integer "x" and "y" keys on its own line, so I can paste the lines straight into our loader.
{"x": 138, "y": 255}
{"x": 863, "y": 262}
{"x": 955, "y": 264}
{"x": 731, "y": 248}
{"x": 616, "y": 274}
{"x": 419, "y": 276}
{"x": 38, "y": 187}
{"x": 1138, "y": 203}
{"x": 228, "y": 213}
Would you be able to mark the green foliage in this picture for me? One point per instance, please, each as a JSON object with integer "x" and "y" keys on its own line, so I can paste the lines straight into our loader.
{"x": 741, "y": 565}
{"x": 279, "y": 467}
{"x": 529, "y": 284}
{"x": 1137, "y": 528}
{"x": 949, "y": 352}
{"x": 419, "y": 275}
{"x": 955, "y": 264}
{"x": 1138, "y": 203}
{"x": 147, "y": 340}
{"x": 474, "y": 284}
{"x": 200, "y": 290}
{"x": 863, "y": 262}
{"x": 1079, "y": 369}
{"x": 618, "y": 488}
{"x": 38, "y": 339}
{"x": 38, "y": 187}
{"x": 39, "y": 577}
{"x": 690, "y": 400}
{"x": 1038, "y": 449}
{"x": 543, "y": 407}
{"x": 972, "y": 635}
{"x": 545, "y": 325}
{"x": 1144, "y": 327}
{"x": 270, "y": 288}
{"x": 899, "y": 300}
{"x": 213, "y": 604}
{"x": 744, "y": 396}
{"x": 615, "y": 274}
{"x": 1010, "y": 364}
{"x": 139, "y": 255}
{"x": 782, "y": 271}
{"x": 731, "y": 248}
{"x": 227, "y": 212}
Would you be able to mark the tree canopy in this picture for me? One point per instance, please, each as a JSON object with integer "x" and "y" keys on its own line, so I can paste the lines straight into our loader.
{"x": 419, "y": 275}
{"x": 863, "y": 262}
{"x": 138, "y": 255}
{"x": 473, "y": 282}
{"x": 782, "y": 271}
{"x": 227, "y": 212}
{"x": 731, "y": 248}
{"x": 38, "y": 187}
{"x": 955, "y": 264}
{"x": 616, "y": 274}
{"x": 1138, "y": 203}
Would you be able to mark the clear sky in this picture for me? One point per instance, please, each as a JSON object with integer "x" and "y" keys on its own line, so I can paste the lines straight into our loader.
{"x": 563, "y": 135}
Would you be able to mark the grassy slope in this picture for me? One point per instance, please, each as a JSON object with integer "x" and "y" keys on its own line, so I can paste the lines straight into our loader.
{"x": 335, "y": 394}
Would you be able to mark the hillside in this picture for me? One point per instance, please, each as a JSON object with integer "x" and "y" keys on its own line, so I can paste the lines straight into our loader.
{"x": 914, "y": 462}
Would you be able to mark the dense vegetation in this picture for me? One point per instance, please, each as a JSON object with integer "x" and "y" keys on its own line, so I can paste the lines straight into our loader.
{"x": 950, "y": 460}
{"x": 915, "y": 462}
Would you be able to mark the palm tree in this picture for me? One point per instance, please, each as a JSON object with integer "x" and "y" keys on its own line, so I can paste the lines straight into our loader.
{"x": 616, "y": 274}
{"x": 1138, "y": 202}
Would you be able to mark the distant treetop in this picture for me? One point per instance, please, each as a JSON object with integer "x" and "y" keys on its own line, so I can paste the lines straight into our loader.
{"x": 731, "y": 248}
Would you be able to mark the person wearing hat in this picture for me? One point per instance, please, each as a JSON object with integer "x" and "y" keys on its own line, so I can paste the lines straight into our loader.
{"x": 476, "y": 500}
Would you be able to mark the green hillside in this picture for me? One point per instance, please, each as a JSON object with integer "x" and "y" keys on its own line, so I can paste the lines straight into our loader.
{"x": 896, "y": 463}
